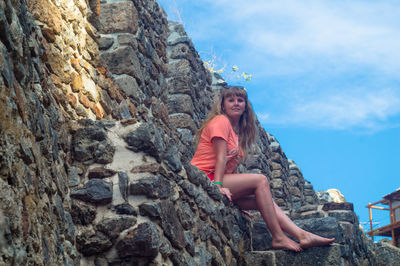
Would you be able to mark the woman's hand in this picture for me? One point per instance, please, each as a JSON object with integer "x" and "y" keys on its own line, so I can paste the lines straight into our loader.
{"x": 225, "y": 191}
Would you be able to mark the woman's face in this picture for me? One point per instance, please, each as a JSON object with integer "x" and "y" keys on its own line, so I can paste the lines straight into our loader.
{"x": 234, "y": 106}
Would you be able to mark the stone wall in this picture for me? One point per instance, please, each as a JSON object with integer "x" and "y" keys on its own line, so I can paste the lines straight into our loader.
{"x": 99, "y": 103}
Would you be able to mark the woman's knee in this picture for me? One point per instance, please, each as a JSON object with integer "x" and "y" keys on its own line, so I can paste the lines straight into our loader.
{"x": 262, "y": 180}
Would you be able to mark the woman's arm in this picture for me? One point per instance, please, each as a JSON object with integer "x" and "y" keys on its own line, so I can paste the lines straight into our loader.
{"x": 220, "y": 147}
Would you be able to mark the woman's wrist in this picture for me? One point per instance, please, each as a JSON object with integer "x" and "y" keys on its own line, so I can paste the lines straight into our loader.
{"x": 219, "y": 184}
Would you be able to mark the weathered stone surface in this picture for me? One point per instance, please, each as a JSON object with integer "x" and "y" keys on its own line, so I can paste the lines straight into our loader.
{"x": 172, "y": 159}
{"x": 142, "y": 241}
{"x": 91, "y": 243}
{"x": 326, "y": 227}
{"x": 100, "y": 172}
{"x": 125, "y": 208}
{"x": 182, "y": 120}
{"x": 329, "y": 206}
{"x": 126, "y": 21}
{"x": 171, "y": 225}
{"x": 152, "y": 186}
{"x": 123, "y": 60}
{"x": 123, "y": 182}
{"x": 95, "y": 191}
{"x": 180, "y": 103}
{"x": 81, "y": 213}
{"x": 152, "y": 209}
{"x": 91, "y": 143}
{"x": 314, "y": 256}
{"x": 262, "y": 238}
{"x": 146, "y": 138}
{"x": 130, "y": 87}
{"x": 112, "y": 227}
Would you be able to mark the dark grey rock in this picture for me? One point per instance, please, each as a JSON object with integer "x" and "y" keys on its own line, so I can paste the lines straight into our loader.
{"x": 203, "y": 257}
{"x": 330, "y": 206}
{"x": 178, "y": 258}
{"x": 326, "y": 227}
{"x": 123, "y": 60}
{"x": 81, "y": 213}
{"x": 346, "y": 216}
{"x": 125, "y": 208}
{"x": 152, "y": 186}
{"x": 190, "y": 247}
{"x": 96, "y": 191}
{"x": 91, "y": 143}
{"x": 172, "y": 159}
{"x": 105, "y": 43}
{"x": 100, "y": 172}
{"x": 195, "y": 175}
{"x": 171, "y": 225}
{"x": 185, "y": 214}
{"x": 123, "y": 184}
{"x": 73, "y": 177}
{"x": 262, "y": 238}
{"x": 91, "y": 243}
{"x": 129, "y": 85}
{"x": 151, "y": 209}
{"x": 180, "y": 103}
{"x": 112, "y": 227}
{"x": 165, "y": 247}
{"x": 142, "y": 241}
{"x": 190, "y": 189}
{"x": 69, "y": 228}
{"x": 148, "y": 139}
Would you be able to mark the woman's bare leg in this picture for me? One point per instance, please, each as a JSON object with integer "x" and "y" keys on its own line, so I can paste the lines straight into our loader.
{"x": 242, "y": 185}
{"x": 306, "y": 239}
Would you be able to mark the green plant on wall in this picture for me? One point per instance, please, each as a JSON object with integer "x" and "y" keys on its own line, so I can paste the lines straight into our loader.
{"x": 234, "y": 75}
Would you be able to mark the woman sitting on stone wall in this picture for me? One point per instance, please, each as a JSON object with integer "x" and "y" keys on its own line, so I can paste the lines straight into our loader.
{"x": 223, "y": 141}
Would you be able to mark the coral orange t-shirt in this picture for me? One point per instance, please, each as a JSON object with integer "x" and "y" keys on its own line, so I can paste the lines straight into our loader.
{"x": 205, "y": 156}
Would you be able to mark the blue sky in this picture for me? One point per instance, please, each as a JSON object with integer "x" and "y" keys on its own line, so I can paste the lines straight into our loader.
{"x": 325, "y": 82}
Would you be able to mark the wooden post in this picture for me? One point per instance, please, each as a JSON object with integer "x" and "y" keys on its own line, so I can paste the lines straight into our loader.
{"x": 370, "y": 221}
{"x": 392, "y": 222}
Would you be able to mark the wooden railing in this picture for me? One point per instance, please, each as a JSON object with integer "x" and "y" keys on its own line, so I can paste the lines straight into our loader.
{"x": 393, "y": 227}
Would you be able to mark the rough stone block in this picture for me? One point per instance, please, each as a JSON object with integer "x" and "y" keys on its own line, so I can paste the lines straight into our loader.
{"x": 119, "y": 17}
{"x": 146, "y": 138}
{"x": 142, "y": 241}
{"x": 180, "y": 103}
{"x": 181, "y": 120}
{"x": 152, "y": 186}
{"x": 330, "y": 206}
{"x": 112, "y": 227}
{"x": 90, "y": 243}
{"x": 96, "y": 191}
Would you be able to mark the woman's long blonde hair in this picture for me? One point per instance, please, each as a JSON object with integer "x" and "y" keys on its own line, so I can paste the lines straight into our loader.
{"x": 247, "y": 123}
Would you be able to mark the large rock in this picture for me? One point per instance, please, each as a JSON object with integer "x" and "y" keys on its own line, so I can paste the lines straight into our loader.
{"x": 96, "y": 191}
{"x": 125, "y": 21}
{"x": 146, "y": 138}
{"x": 81, "y": 213}
{"x": 152, "y": 186}
{"x": 123, "y": 60}
{"x": 91, "y": 144}
{"x": 142, "y": 241}
{"x": 90, "y": 243}
{"x": 112, "y": 227}
{"x": 172, "y": 227}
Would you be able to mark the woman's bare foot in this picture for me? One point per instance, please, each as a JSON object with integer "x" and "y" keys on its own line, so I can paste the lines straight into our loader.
{"x": 311, "y": 240}
{"x": 286, "y": 243}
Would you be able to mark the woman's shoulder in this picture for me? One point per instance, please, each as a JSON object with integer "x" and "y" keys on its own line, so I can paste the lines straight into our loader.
{"x": 220, "y": 119}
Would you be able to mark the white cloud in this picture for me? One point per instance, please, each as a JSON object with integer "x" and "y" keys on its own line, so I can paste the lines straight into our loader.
{"x": 355, "y": 32}
{"x": 325, "y": 45}
{"x": 356, "y": 109}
